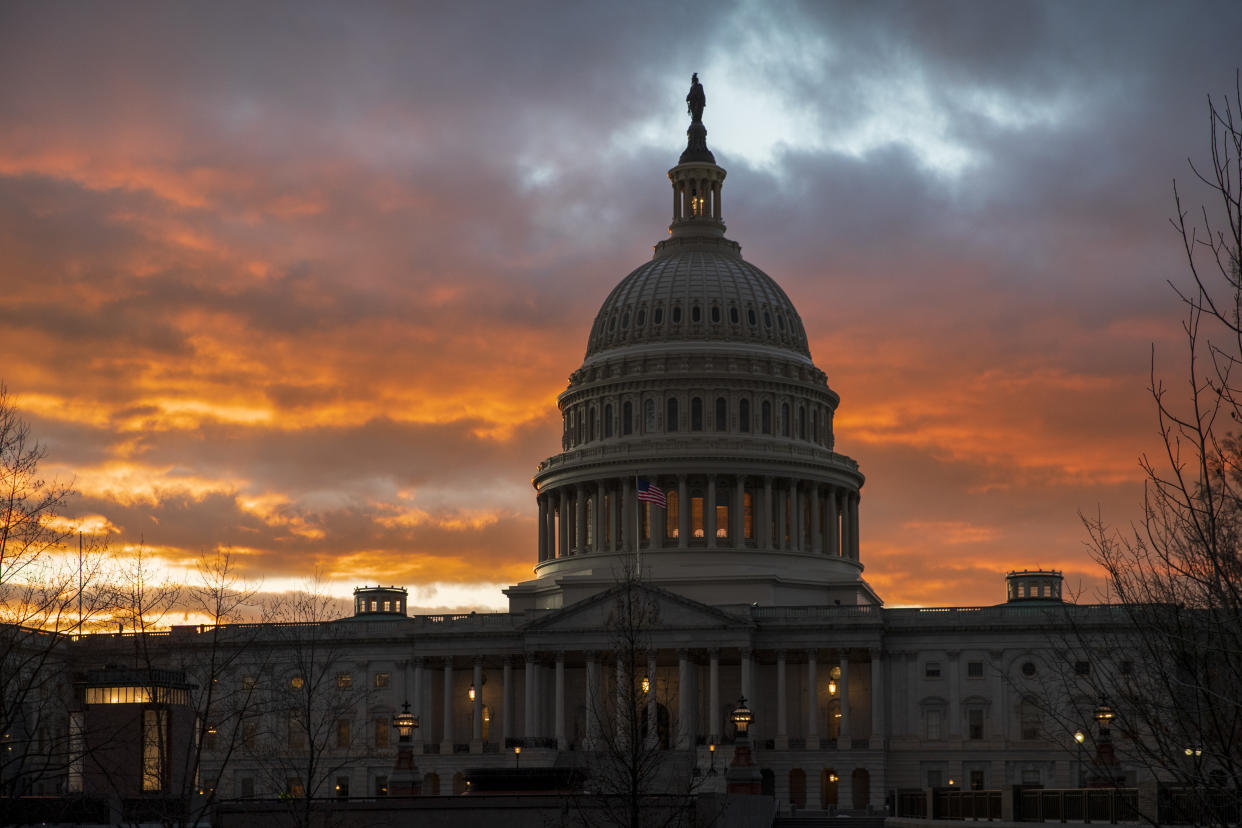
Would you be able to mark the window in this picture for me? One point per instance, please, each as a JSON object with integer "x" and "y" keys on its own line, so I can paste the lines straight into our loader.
{"x": 342, "y": 733}
{"x": 388, "y": 606}
{"x": 627, "y": 418}
{"x": 733, "y": 315}
{"x": 294, "y": 787}
{"x": 658, "y": 316}
{"x": 670, "y": 416}
{"x": 1028, "y": 714}
{"x": 785, "y": 429}
{"x": 641, "y": 318}
{"x": 295, "y": 736}
{"x": 931, "y": 669}
{"x": 801, "y": 422}
{"x": 249, "y": 682}
{"x": 1082, "y": 668}
{"x": 344, "y": 681}
{"x": 381, "y": 731}
{"x": 246, "y": 788}
{"x": 715, "y": 314}
{"x": 381, "y": 786}
{"x": 1126, "y": 668}
{"x": 933, "y": 719}
{"x": 750, "y": 317}
{"x": 342, "y": 787}
{"x": 696, "y": 517}
{"x": 696, "y": 314}
{"x": 722, "y": 414}
{"x": 767, "y": 319}
{"x": 935, "y": 778}
{"x": 976, "y": 780}
{"x": 154, "y": 739}
{"x": 297, "y": 682}
{"x": 1028, "y": 669}
{"x": 591, "y": 424}
{"x": 722, "y": 521}
{"x": 974, "y": 723}
{"x": 649, "y": 418}
{"x": 974, "y": 669}
{"x": 381, "y": 679}
{"x": 765, "y": 417}
{"x": 608, "y": 421}
{"x": 748, "y": 526}
{"x": 676, "y": 314}
{"x": 696, "y": 413}
{"x": 248, "y": 731}
{"x": 210, "y": 738}
{"x": 743, "y": 416}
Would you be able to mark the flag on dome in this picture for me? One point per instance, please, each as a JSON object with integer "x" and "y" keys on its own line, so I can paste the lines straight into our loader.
{"x": 651, "y": 493}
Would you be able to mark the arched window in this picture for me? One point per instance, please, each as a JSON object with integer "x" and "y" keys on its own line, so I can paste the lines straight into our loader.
{"x": 696, "y": 313}
{"x": 715, "y": 314}
{"x": 658, "y": 316}
{"x": 815, "y": 424}
{"x": 722, "y": 414}
{"x": 581, "y": 430}
{"x": 743, "y": 416}
{"x": 733, "y": 316}
{"x": 608, "y": 420}
{"x": 627, "y": 417}
{"x": 676, "y": 314}
{"x": 591, "y": 424}
{"x": 649, "y": 417}
{"x": 670, "y": 415}
{"x": 765, "y": 417}
{"x": 696, "y": 414}
{"x": 801, "y": 422}
{"x": 785, "y": 429}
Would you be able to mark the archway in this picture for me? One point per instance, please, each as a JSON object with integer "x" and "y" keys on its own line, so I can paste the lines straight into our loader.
{"x": 860, "y": 781}
{"x": 797, "y": 787}
{"x": 459, "y": 783}
{"x": 431, "y": 784}
{"x": 827, "y": 789}
{"x": 767, "y": 782}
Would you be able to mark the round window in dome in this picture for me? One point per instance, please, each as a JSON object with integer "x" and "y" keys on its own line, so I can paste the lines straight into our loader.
{"x": 676, "y": 314}
{"x": 767, "y": 319}
{"x": 657, "y": 316}
{"x": 750, "y": 317}
{"x": 715, "y": 315}
{"x": 696, "y": 314}
{"x": 641, "y": 319}
{"x": 612, "y": 323}
{"x": 733, "y": 315}
{"x": 780, "y": 321}
{"x": 625, "y": 320}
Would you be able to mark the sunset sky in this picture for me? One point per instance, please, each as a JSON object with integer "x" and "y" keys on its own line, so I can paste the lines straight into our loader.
{"x": 304, "y": 281}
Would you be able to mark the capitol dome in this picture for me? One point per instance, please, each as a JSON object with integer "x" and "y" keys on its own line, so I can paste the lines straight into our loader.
{"x": 697, "y": 448}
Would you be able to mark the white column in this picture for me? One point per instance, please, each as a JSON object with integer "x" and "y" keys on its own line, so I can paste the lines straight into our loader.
{"x": 877, "y": 699}
{"x": 737, "y": 514}
{"x": 782, "y": 713}
{"x": 685, "y": 701}
{"x": 506, "y": 704}
{"x": 796, "y": 541}
{"x": 580, "y": 524}
{"x": 561, "y": 742}
{"x": 709, "y": 511}
{"x": 832, "y": 536}
{"x": 781, "y": 513}
{"x": 563, "y": 550}
{"x": 593, "y": 713}
{"x": 653, "y": 710}
{"x": 817, "y": 535}
{"x": 713, "y": 715}
{"x": 416, "y": 704}
{"x": 683, "y": 512}
{"x": 597, "y": 541}
{"x": 476, "y": 733}
{"x": 543, "y": 527}
{"x": 812, "y": 704}
{"x": 446, "y": 743}
{"x": 843, "y": 732}
{"x": 528, "y": 719}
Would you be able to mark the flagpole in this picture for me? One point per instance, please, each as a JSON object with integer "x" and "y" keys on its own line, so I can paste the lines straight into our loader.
{"x": 638, "y": 552}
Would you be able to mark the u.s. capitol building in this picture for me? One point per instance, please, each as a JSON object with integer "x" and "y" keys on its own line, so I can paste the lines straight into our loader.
{"x": 698, "y": 462}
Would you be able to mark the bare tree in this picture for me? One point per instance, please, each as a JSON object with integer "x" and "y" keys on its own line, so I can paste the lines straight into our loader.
{"x": 48, "y": 594}
{"x": 1169, "y": 662}
{"x": 634, "y": 779}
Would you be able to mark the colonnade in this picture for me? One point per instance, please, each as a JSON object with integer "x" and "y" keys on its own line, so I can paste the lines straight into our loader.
{"x": 544, "y": 675}
{"x": 780, "y": 513}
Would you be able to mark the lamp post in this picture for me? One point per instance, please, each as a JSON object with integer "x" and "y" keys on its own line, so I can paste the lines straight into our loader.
{"x": 405, "y": 781}
{"x": 742, "y": 776}
{"x": 517, "y": 756}
{"x": 1105, "y": 758}
{"x": 1080, "y": 737}
{"x": 711, "y": 751}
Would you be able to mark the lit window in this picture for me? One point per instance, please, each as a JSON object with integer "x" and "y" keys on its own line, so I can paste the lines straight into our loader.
{"x": 344, "y": 681}
{"x": 672, "y": 516}
{"x": 342, "y": 733}
{"x": 154, "y": 740}
{"x": 382, "y": 725}
{"x": 749, "y": 516}
{"x": 722, "y": 521}
{"x": 696, "y": 517}
{"x": 297, "y": 682}
{"x": 931, "y": 669}
{"x": 381, "y": 679}
{"x": 974, "y": 669}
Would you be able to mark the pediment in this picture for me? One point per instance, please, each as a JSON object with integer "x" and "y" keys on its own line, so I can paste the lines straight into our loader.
{"x": 652, "y": 607}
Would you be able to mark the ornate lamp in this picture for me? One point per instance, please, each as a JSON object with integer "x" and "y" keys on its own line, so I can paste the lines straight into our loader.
{"x": 741, "y": 717}
{"x": 743, "y": 776}
{"x": 405, "y": 780}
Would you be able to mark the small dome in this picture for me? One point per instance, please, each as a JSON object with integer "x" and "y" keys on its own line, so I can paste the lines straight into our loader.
{"x": 704, "y": 293}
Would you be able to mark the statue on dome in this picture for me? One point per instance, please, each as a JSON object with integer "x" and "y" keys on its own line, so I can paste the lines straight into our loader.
{"x": 696, "y": 100}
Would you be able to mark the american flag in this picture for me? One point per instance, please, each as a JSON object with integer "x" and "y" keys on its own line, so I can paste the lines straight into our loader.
{"x": 651, "y": 493}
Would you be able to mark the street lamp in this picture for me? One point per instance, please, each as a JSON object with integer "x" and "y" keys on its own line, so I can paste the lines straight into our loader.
{"x": 1104, "y": 756}
{"x": 741, "y": 717}
{"x": 832, "y": 687}
{"x": 404, "y": 780}
{"x": 742, "y": 776}
{"x": 711, "y": 750}
{"x": 517, "y": 756}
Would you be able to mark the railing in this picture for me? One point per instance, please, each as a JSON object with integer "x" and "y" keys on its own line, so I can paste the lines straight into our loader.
{"x": 912, "y": 803}
{"x": 1111, "y": 805}
{"x": 958, "y": 803}
{"x": 1200, "y": 806}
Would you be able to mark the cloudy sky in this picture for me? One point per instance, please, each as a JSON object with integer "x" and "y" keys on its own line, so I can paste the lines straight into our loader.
{"x": 305, "y": 280}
